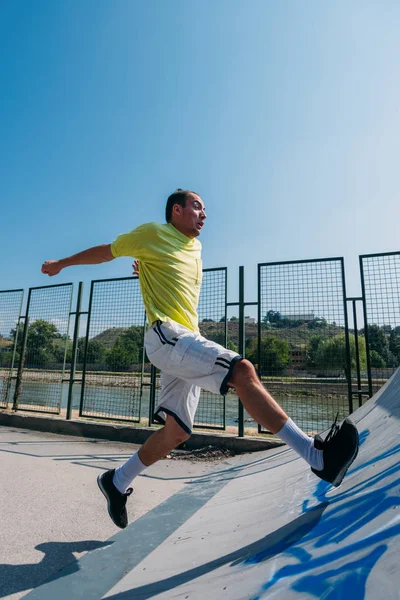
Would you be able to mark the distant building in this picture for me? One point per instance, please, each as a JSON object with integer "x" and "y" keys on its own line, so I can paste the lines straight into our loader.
{"x": 305, "y": 317}
{"x": 249, "y": 320}
{"x": 299, "y": 356}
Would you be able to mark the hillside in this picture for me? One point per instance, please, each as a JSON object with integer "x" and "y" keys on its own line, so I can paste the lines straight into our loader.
{"x": 108, "y": 337}
{"x": 5, "y": 343}
{"x": 295, "y": 336}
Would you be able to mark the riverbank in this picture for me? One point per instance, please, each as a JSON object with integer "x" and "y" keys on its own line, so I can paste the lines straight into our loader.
{"x": 285, "y": 386}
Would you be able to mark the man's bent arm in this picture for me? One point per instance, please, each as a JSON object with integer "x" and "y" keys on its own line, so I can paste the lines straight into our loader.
{"x": 91, "y": 256}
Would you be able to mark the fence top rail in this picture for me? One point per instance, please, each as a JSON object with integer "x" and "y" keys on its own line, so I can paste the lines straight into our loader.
{"x": 114, "y": 279}
{"x": 137, "y": 276}
{"x": 378, "y": 254}
{"x": 296, "y": 262}
{"x": 42, "y": 287}
{"x": 215, "y": 269}
{"x": 9, "y": 291}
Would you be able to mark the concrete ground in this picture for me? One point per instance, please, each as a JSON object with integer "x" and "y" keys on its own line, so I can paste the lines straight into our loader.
{"x": 52, "y": 509}
{"x": 255, "y": 526}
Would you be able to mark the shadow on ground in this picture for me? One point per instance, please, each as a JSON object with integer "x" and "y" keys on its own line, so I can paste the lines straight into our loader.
{"x": 17, "y": 578}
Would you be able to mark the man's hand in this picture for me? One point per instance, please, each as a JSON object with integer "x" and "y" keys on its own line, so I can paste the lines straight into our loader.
{"x": 135, "y": 267}
{"x": 51, "y": 267}
{"x": 91, "y": 256}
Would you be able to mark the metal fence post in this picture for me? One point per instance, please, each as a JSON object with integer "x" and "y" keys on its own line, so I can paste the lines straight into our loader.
{"x": 74, "y": 350}
{"x": 18, "y": 383}
{"x": 366, "y": 327}
{"x": 347, "y": 340}
{"x": 354, "y": 300}
{"x": 241, "y": 343}
{"x": 152, "y": 396}
{"x": 89, "y": 313}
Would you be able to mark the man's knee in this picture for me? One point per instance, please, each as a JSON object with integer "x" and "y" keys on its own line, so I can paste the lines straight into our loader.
{"x": 175, "y": 432}
{"x": 243, "y": 370}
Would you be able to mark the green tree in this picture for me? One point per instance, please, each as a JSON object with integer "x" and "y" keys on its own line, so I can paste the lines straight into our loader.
{"x": 378, "y": 341}
{"x": 275, "y": 355}
{"x": 331, "y": 353}
{"x": 118, "y": 359}
{"x": 232, "y": 346}
{"x": 272, "y": 316}
{"x": 17, "y": 337}
{"x": 96, "y": 352}
{"x": 127, "y": 349}
{"x": 377, "y": 361}
{"x": 41, "y": 342}
{"x": 285, "y": 323}
{"x": 132, "y": 341}
{"x": 312, "y": 350}
{"x": 6, "y": 359}
{"x": 394, "y": 342}
{"x": 59, "y": 352}
{"x": 317, "y": 323}
{"x": 216, "y": 336}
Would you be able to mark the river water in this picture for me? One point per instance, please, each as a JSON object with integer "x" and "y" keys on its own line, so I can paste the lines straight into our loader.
{"x": 311, "y": 413}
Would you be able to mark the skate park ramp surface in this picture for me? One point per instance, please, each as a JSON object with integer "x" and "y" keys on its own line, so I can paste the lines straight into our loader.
{"x": 262, "y": 526}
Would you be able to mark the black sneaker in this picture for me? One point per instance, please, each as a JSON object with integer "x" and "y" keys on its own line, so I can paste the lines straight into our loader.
{"x": 116, "y": 501}
{"x": 340, "y": 448}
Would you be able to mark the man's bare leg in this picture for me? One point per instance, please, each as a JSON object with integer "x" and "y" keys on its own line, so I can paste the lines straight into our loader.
{"x": 266, "y": 411}
{"x": 258, "y": 402}
{"x": 163, "y": 441}
{"x": 158, "y": 445}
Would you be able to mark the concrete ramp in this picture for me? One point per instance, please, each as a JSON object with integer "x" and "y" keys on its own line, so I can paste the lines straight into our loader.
{"x": 263, "y": 526}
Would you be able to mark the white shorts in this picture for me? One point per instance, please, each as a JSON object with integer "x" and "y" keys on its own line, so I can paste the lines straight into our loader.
{"x": 188, "y": 362}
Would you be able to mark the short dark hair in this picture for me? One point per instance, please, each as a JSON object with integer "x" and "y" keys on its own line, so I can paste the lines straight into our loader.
{"x": 178, "y": 197}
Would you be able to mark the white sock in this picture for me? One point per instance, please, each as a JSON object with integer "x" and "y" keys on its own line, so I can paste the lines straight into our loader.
{"x": 302, "y": 444}
{"x": 126, "y": 473}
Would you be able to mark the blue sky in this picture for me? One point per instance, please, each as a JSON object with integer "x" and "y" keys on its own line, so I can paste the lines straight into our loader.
{"x": 284, "y": 115}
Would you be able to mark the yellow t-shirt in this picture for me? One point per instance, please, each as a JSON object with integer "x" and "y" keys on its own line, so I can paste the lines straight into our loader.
{"x": 170, "y": 271}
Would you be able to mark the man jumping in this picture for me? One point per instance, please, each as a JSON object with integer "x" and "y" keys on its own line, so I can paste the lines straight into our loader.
{"x": 170, "y": 280}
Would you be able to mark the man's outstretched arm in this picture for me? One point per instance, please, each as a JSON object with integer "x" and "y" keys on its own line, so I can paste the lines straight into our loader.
{"x": 91, "y": 256}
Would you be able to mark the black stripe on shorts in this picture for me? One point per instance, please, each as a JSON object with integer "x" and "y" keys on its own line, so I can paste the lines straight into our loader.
{"x": 221, "y": 364}
{"x": 226, "y": 361}
{"x": 224, "y": 385}
{"x": 163, "y": 339}
{"x": 157, "y": 417}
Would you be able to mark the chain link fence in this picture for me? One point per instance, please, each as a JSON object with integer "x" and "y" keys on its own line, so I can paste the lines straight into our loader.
{"x": 302, "y": 351}
{"x": 213, "y": 325}
{"x": 43, "y": 349}
{"x": 301, "y": 344}
{"x": 113, "y": 353}
{"x": 380, "y": 281}
{"x": 10, "y": 311}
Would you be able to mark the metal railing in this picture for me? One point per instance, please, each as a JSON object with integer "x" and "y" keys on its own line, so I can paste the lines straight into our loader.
{"x": 43, "y": 349}
{"x": 380, "y": 283}
{"x": 10, "y": 312}
{"x": 303, "y": 339}
{"x": 305, "y": 351}
{"x": 113, "y": 355}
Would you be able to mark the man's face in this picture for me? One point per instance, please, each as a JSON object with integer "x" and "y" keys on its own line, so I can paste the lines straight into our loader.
{"x": 189, "y": 219}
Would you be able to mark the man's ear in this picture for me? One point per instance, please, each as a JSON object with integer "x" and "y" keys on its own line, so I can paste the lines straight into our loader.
{"x": 177, "y": 209}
